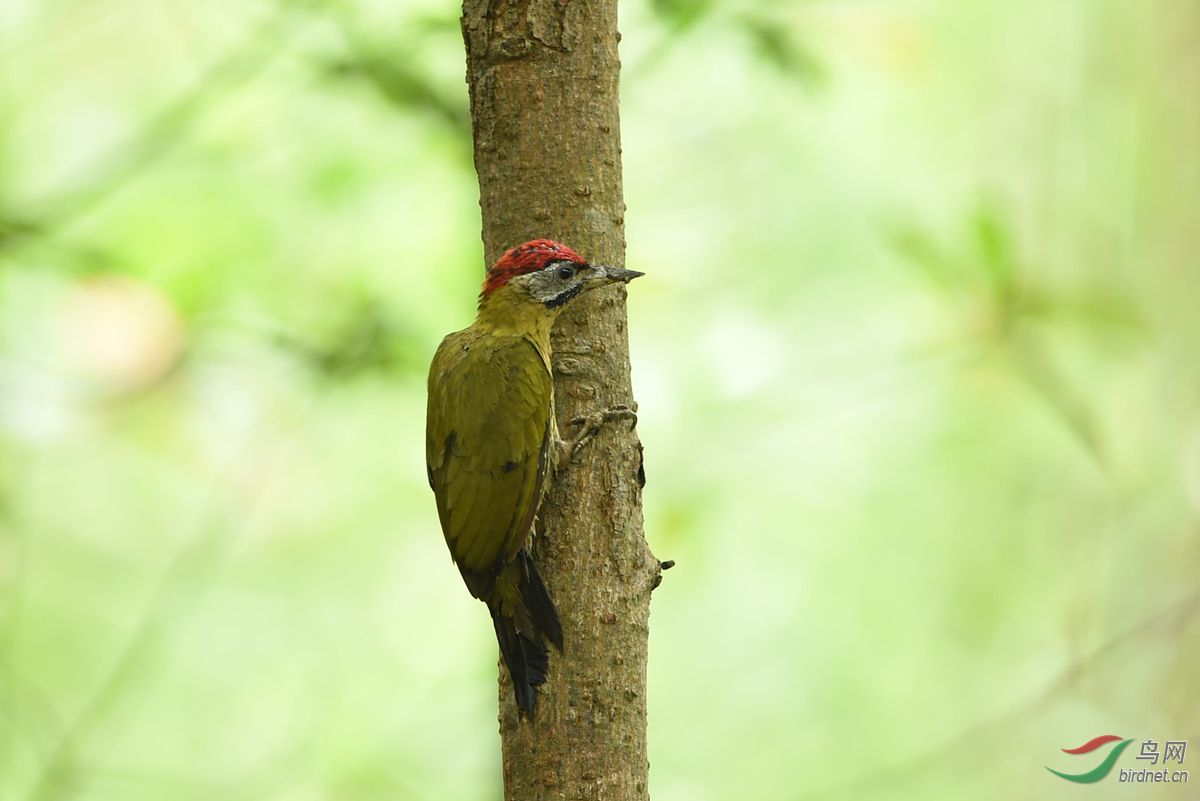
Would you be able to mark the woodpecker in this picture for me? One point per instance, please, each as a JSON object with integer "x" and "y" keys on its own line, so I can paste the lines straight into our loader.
{"x": 491, "y": 439}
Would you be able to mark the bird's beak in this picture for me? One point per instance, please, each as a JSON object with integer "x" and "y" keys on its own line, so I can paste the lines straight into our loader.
{"x": 602, "y": 275}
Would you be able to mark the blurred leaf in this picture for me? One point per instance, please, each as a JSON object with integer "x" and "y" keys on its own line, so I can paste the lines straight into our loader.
{"x": 13, "y": 230}
{"x": 1057, "y": 393}
{"x": 987, "y": 267}
{"x": 919, "y": 249}
{"x": 436, "y": 24}
{"x": 993, "y": 243}
{"x": 400, "y": 84}
{"x": 984, "y": 267}
{"x": 681, "y": 14}
{"x": 365, "y": 338}
{"x": 782, "y": 47}
{"x": 1097, "y": 307}
{"x": 63, "y": 253}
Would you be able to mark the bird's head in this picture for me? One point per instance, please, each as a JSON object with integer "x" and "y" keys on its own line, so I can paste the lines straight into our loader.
{"x": 548, "y": 273}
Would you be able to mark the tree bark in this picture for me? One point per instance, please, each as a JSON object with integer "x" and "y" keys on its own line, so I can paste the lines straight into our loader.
{"x": 544, "y": 106}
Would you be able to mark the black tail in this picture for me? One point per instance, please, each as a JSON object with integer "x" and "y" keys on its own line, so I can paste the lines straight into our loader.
{"x": 537, "y": 601}
{"x": 523, "y": 633}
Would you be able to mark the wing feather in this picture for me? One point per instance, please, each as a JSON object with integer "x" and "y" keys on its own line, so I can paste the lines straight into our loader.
{"x": 487, "y": 440}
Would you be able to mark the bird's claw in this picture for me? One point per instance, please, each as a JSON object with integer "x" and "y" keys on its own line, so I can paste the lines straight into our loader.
{"x": 589, "y": 425}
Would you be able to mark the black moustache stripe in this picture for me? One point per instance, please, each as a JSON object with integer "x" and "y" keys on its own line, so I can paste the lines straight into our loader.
{"x": 563, "y": 297}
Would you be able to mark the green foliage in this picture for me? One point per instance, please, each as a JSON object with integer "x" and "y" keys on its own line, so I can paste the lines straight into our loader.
{"x": 916, "y": 358}
{"x": 782, "y": 46}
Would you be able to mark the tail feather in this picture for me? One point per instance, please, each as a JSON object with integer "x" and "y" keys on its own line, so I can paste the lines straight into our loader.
{"x": 522, "y": 633}
{"x": 537, "y": 601}
{"x": 527, "y": 661}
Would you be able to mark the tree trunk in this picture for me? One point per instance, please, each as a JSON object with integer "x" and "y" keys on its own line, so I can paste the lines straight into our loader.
{"x": 543, "y": 84}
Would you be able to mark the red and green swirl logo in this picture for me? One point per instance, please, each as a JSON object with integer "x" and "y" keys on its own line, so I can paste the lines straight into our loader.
{"x": 1104, "y": 768}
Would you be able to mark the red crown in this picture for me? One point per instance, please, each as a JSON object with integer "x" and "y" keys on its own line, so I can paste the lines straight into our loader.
{"x": 527, "y": 258}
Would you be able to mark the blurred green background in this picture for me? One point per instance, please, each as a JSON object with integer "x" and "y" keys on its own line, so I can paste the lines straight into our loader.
{"x": 917, "y": 360}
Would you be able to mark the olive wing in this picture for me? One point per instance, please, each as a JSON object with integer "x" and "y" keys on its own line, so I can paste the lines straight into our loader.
{"x": 487, "y": 440}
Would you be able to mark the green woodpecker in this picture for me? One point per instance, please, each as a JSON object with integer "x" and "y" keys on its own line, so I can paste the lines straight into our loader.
{"x": 491, "y": 438}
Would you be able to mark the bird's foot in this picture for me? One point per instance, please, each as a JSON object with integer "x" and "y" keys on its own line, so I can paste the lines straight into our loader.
{"x": 587, "y": 426}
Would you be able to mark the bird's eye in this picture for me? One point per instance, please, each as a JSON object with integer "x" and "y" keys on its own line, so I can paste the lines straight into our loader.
{"x": 565, "y": 272}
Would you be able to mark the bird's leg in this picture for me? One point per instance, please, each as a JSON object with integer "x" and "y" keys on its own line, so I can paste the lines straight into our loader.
{"x": 587, "y": 426}
{"x": 560, "y": 449}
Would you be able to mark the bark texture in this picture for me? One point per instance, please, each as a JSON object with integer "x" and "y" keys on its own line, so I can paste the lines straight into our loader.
{"x": 544, "y": 104}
